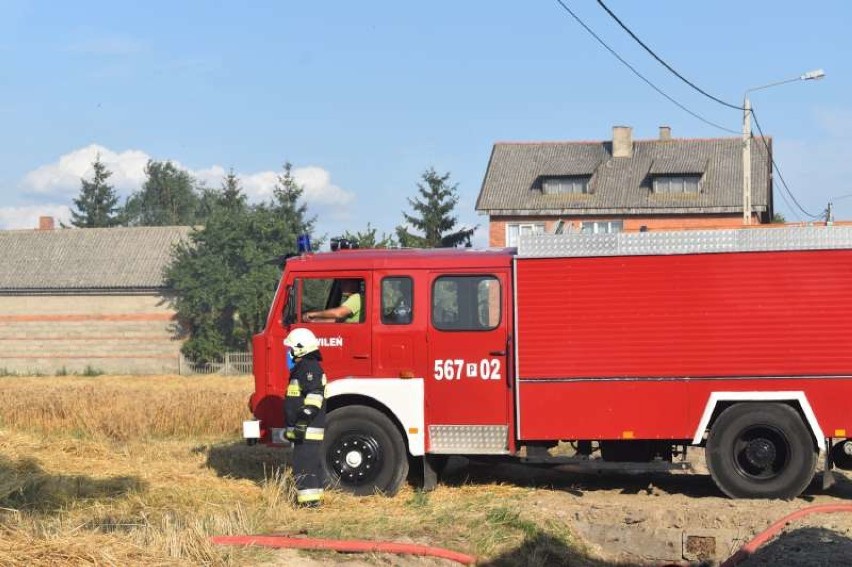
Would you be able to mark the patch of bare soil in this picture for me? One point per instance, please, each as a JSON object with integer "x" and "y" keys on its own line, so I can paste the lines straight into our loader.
{"x": 653, "y": 519}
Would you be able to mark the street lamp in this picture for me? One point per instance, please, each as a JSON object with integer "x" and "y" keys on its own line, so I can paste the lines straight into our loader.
{"x": 809, "y": 76}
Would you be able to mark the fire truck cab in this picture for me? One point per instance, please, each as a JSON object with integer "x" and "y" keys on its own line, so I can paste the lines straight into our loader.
{"x": 431, "y": 345}
{"x": 626, "y": 347}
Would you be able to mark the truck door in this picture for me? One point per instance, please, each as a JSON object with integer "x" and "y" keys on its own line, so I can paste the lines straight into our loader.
{"x": 345, "y": 342}
{"x": 467, "y": 383}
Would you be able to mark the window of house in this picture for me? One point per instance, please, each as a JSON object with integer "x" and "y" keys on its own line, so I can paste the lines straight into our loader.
{"x": 602, "y": 227}
{"x": 397, "y": 300}
{"x": 568, "y": 184}
{"x": 466, "y": 303}
{"x": 515, "y": 230}
{"x": 677, "y": 184}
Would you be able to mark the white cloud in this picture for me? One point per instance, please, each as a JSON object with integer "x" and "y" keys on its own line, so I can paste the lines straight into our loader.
{"x": 27, "y": 216}
{"x": 61, "y": 179}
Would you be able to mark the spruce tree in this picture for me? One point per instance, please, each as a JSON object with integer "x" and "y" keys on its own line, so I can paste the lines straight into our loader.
{"x": 97, "y": 204}
{"x": 433, "y": 215}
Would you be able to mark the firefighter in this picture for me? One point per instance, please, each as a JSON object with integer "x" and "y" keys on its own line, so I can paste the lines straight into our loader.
{"x": 349, "y": 310}
{"x": 304, "y": 408}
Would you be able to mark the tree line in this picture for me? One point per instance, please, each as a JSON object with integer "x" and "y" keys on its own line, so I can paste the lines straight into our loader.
{"x": 224, "y": 277}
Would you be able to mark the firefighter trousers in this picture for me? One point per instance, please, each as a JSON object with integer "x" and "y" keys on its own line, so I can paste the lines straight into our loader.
{"x": 308, "y": 472}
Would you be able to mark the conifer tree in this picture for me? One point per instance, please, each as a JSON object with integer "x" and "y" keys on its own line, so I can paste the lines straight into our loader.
{"x": 432, "y": 215}
{"x": 97, "y": 204}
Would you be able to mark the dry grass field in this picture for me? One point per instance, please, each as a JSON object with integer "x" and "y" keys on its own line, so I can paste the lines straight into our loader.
{"x": 118, "y": 470}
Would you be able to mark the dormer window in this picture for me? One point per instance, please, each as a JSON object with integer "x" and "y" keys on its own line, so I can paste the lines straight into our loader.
{"x": 571, "y": 184}
{"x": 677, "y": 184}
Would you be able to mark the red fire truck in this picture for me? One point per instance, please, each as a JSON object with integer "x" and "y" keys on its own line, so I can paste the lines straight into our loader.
{"x": 627, "y": 347}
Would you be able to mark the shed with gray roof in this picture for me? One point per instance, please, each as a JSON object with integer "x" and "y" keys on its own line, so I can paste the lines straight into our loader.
{"x": 73, "y": 299}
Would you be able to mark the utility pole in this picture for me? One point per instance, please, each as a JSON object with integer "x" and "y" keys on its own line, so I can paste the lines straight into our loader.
{"x": 809, "y": 76}
{"x": 746, "y": 161}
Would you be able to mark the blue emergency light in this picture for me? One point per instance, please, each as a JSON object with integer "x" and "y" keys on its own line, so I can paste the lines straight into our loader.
{"x": 303, "y": 243}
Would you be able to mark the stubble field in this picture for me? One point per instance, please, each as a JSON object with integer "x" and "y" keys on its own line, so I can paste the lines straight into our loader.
{"x": 118, "y": 470}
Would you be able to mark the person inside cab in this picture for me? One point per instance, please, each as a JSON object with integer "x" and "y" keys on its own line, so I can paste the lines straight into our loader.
{"x": 349, "y": 310}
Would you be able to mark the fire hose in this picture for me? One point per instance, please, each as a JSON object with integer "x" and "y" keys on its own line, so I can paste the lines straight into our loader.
{"x": 345, "y": 545}
{"x": 748, "y": 549}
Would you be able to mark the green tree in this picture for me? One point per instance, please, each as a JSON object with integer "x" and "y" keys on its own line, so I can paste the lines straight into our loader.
{"x": 287, "y": 202}
{"x": 97, "y": 205}
{"x": 223, "y": 277}
{"x": 167, "y": 198}
{"x": 229, "y": 196}
{"x": 432, "y": 215}
{"x": 778, "y": 218}
{"x": 369, "y": 238}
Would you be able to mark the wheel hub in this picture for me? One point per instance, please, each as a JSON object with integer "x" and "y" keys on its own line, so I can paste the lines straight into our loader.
{"x": 760, "y": 452}
{"x": 355, "y": 458}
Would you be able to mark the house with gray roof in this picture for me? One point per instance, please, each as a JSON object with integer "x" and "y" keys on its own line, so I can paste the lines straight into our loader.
{"x": 622, "y": 185}
{"x": 72, "y": 299}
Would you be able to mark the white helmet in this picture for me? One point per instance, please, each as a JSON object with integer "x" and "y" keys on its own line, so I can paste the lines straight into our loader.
{"x": 302, "y": 341}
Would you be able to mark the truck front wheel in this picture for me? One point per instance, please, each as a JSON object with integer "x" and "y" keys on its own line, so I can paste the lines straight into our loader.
{"x": 364, "y": 452}
{"x": 760, "y": 450}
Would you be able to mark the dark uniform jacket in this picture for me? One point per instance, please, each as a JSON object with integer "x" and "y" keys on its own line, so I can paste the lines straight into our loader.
{"x": 304, "y": 404}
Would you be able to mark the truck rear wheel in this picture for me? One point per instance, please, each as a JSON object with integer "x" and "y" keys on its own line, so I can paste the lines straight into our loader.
{"x": 364, "y": 452}
{"x": 757, "y": 450}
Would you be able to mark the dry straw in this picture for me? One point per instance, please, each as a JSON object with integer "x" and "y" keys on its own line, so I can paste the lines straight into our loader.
{"x": 142, "y": 471}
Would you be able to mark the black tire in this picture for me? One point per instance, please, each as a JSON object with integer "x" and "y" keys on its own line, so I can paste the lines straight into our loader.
{"x": 363, "y": 452}
{"x": 761, "y": 450}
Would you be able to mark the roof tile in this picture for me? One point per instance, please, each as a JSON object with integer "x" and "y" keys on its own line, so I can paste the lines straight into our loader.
{"x": 91, "y": 258}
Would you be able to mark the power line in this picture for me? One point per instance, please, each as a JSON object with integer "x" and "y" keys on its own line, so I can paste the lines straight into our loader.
{"x": 638, "y": 74}
{"x": 663, "y": 63}
{"x": 716, "y": 99}
{"x": 789, "y": 206}
{"x": 778, "y": 170}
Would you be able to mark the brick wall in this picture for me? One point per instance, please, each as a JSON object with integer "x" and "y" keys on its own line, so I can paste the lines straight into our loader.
{"x": 133, "y": 334}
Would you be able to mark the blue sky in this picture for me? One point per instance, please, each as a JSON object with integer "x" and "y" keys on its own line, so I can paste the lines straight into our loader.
{"x": 362, "y": 97}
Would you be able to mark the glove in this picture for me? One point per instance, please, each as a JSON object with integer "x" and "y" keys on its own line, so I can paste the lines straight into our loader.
{"x": 300, "y": 430}
{"x": 306, "y": 414}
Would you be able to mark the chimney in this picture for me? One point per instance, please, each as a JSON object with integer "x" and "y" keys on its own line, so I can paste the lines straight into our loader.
{"x": 622, "y": 141}
{"x": 45, "y": 223}
{"x": 665, "y": 133}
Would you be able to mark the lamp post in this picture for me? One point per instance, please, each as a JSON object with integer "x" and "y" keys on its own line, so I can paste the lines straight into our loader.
{"x": 809, "y": 76}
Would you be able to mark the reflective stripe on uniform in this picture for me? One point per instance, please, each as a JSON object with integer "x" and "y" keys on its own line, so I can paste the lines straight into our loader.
{"x": 314, "y": 400}
{"x": 315, "y": 433}
{"x": 294, "y": 390}
{"x": 309, "y": 495}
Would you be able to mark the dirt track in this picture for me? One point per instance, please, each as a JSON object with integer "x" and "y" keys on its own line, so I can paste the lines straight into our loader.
{"x": 668, "y": 517}
{"x": 658, "y": 519}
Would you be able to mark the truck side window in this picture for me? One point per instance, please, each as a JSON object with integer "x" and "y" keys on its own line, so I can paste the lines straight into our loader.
{"x": 397, "y": 294}
{"x": 466, "y": 303}
{"x": 333, "y": 300}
